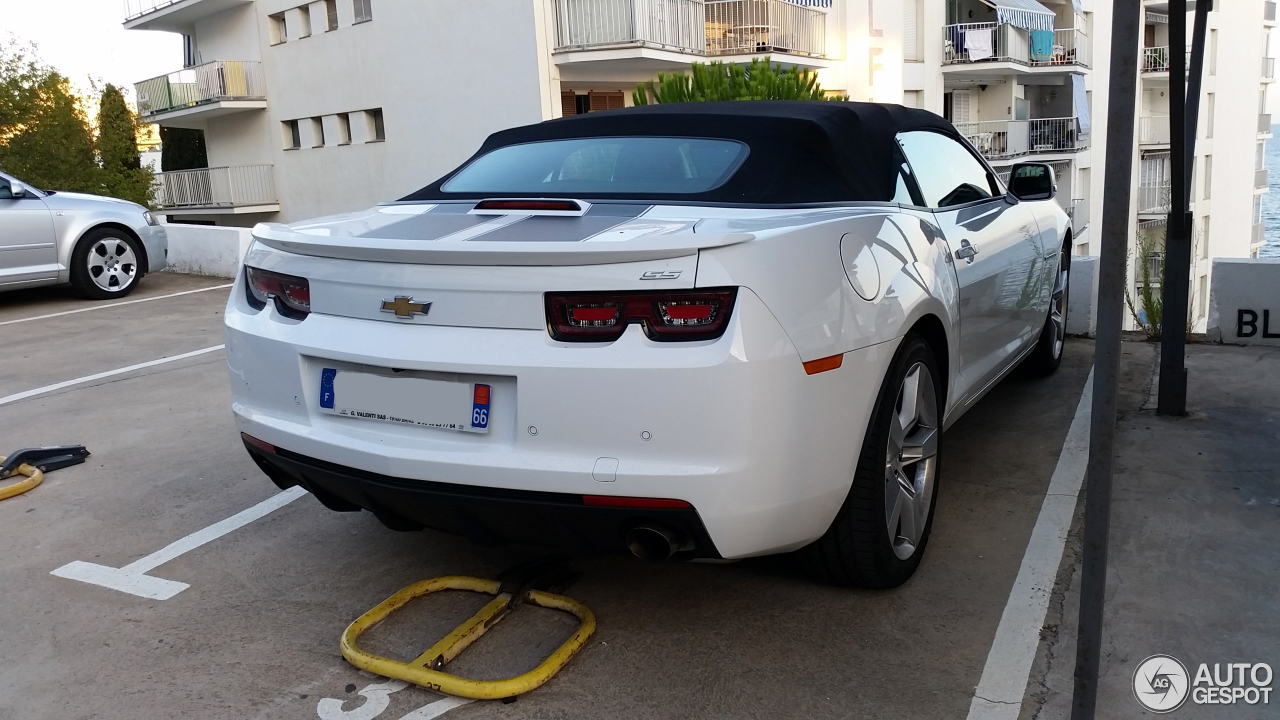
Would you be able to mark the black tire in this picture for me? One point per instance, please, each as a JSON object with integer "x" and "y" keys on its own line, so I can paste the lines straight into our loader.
{"x": 106, "y": 264}
{"x": 858, "y": 549}
{"x": 1047, "y": 355}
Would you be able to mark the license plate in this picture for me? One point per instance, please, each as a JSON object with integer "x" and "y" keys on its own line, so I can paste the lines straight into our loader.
{"x": 406, "y": 400}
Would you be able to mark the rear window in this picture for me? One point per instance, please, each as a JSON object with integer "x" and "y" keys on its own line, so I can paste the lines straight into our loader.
{"x": 610, "y": 165}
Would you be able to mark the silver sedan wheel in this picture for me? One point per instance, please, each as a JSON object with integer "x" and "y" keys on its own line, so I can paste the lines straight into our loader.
{"x": 911, "y": 466}
{"x": 1058, "y": 304}
{"x": 112, "y": 264}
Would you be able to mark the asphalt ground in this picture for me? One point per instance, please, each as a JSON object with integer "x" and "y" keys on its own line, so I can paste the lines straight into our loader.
{"x": 256, "y": 633}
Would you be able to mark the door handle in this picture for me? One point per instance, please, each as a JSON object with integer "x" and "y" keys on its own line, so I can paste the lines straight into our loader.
{"x": 967, "y": 251}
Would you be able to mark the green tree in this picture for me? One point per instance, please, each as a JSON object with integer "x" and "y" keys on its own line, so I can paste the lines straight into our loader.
{"x": 122, "y": 173}
{"x": 719, "y": 81}
{"x": 45, "y": 138}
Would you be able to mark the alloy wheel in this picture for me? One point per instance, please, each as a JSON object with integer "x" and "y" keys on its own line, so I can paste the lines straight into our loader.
{"x": 911, "y": 465}
{"x": 112, "y": 264}
{"x": 1058, "y": 304}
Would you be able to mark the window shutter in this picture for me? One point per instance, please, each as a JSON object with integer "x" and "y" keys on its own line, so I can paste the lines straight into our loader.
{"x": 568, "y": 103}
{"x": 910, "y": 30}
{"x": 960, "y": 106}
{"x": 607, "y": 100}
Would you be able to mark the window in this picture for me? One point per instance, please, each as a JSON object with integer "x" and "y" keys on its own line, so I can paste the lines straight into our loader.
{"x": 363, "y": 10}
{"x": 277, "y": 28}
{"x": 1208, "y": 119}
{"x": 947, "y": 173}
{"x": 1260, "y": 156}
{"x": 1204, "y": 295}
{"x": 911, "y": 98}
{"x": 1213, "y": 52}
{"x": 292, "y": 134}
{"x": 606, "y": 100}
{"x": 344, "y": 128}
{"x": 317, "y": 132}
{"x": 630, "y": 165}
{"x": 911, "y": 30}
{"x": 377, "y": 129}
{"x": 1208, "y": 175}
{"x": 189, "y": 58}
{"x": 304, "y": 21}
{"x": 330, "y": 15}
{"x": 1204, "y": 238}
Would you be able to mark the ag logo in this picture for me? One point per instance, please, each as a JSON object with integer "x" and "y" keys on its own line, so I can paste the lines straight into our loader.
{"x": 1161, "y": 683}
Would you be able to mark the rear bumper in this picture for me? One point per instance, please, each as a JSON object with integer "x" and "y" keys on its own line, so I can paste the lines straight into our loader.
{"x": 763, "y": 452}
{"x": 487, "y": 516}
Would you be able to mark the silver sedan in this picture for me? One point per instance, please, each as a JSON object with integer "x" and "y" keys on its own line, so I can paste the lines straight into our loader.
{"x": 102, "y": 246}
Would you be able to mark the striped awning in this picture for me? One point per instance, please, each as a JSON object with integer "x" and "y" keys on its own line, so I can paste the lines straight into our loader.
{"x": 1027, "y": 14}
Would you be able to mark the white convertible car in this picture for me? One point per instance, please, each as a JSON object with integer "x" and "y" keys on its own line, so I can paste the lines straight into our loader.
{"x": 713, "y": 330}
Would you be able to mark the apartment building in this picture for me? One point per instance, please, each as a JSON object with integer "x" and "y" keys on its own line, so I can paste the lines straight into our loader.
{"x": 1228, "y": 175}
{"x": 329, "y": 106}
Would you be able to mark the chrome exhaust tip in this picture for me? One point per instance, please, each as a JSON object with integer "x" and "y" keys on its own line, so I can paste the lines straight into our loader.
{"x": 653, "y": 542}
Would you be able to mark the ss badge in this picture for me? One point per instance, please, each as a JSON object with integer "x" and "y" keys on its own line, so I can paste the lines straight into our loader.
{"x": 661, "y": 275}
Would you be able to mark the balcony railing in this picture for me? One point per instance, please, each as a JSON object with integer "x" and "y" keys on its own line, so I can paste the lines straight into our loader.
{"x": 1153, "y": 130}
{"x": 1259, "y": 178}
{"x": 218, "y": 187}
{"x": 1079, "y": 211}
{"x": 138, "y": 8}
{"x": 1008, "y": 43}
{"x": 211, "y": 82}
{"x": 1264, "y": 123}
{"x": 1269, "y": 11}
{"x": 1268, "y": 68}
{"x": 750, "y": 26}
{"x": 667, "y": 24}
{"x": 1259, "y": 235}
{"x": 1154, "y": 198}
{"x": 1155, "y": 59}
{"x": 697, "y": 27}
{"x": 998, "y": 139}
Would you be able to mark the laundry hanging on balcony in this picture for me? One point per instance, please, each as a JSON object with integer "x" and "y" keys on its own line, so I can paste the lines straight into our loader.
{"x": 1026, "y": 14}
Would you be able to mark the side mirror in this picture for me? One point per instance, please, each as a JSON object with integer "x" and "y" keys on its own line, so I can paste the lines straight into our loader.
{"x": 1032, "y": 181}
{"x": 17, "y": 190}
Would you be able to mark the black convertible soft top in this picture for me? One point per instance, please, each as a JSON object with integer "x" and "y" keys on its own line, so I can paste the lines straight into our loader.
{"x": 802, "y": 151}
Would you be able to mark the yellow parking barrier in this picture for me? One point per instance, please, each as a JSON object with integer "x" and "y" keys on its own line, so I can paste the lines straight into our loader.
{"x": 33, "y": 478}
{"x": 427, "y": 669}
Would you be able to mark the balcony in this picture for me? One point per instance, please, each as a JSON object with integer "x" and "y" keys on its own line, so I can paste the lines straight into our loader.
{"x": 1260, "y": 179}
{"x": 177, "y": 16}
{"x": 1258, "y": 237}
{"x": 650, "y": 35}
{"x": 1079, "y": 212}
{"x": 1153, "y": 130}
{"x": 188, "y": 97}
{"x": 1268, "y": 69}
{"x": 1155, "y": 59}
{"x": 1011, "y": 44}
{"x": 1002, "y": 139}
{"x": 1264, "y": 124}
{"x": 217, "y": 191}
{"x": 1269, "y": 12}
{"x": 1154, "y": 199}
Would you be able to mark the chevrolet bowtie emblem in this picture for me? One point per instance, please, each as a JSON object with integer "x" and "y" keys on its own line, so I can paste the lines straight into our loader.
{"x": 404, "y": 307}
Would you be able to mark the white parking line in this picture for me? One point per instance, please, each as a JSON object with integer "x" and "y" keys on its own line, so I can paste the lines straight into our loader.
{"x": 111, "y": 305}
{"x": 132, "y": 578}
{"x": 1004, "y": 678}
{"x": 110, "y": 373}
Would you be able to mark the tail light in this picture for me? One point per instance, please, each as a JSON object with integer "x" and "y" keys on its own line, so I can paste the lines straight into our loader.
{"x": 292, "y": 294}
{"x": 665, "y": 316}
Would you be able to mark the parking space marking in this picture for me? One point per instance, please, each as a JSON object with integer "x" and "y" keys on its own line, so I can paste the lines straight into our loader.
{"x": 1004, "y": 678}
{"x": 132, "y": 578}
{"x": 111, "y": 305}
{"x": 110, "y": 373}
{"x": 377, "y": 698}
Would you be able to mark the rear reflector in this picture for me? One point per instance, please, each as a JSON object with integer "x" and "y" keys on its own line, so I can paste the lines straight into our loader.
{"x": 665, "y": 316}
{"x": 813, "y": 367}
{"x": 260, "y": 444}
{"x": 530, "y": 205}
{"x": 633, "y": 502}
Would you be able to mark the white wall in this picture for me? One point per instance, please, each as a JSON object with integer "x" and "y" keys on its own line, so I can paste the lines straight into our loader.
{"x": 206, "y": 250}
{"x": 1245, "y": 290}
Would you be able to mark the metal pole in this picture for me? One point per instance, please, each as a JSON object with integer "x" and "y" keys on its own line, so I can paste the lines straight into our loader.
{"x": 1176, "y": 280}
{"x": 1117, "y": 187}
